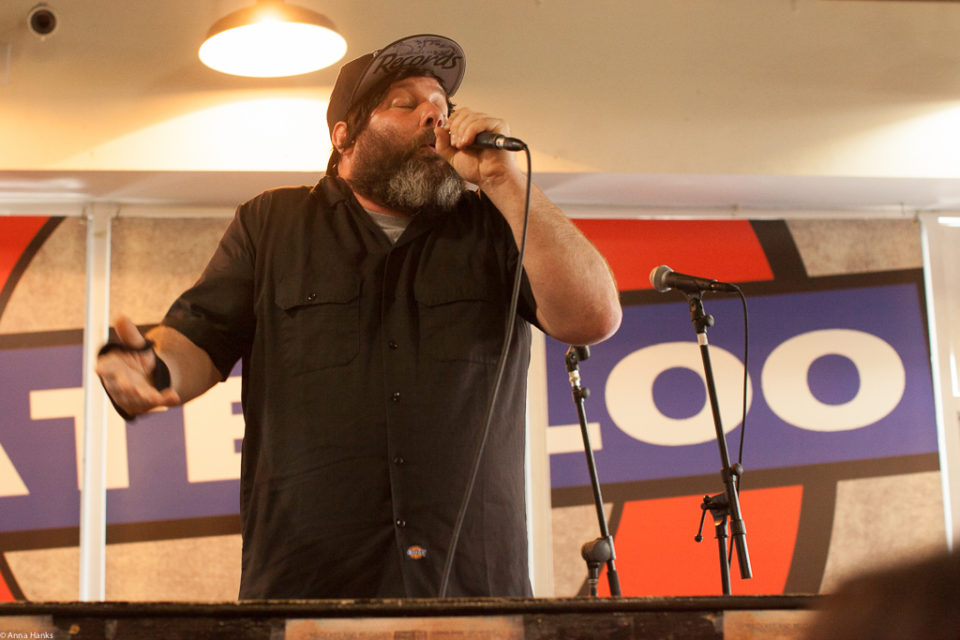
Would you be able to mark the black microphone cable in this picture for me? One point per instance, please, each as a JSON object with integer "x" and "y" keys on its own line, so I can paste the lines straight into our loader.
{"x": 743, "y": 420}
{"x": 746, "y": 353}
{"x": 501, "y": 366}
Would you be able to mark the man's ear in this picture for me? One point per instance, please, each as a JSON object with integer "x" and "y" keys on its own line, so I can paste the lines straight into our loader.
{"x": 339, "y": 136}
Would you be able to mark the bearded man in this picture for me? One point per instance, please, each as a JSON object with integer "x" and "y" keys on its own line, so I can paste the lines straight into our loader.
{"x": 369, "y": 312}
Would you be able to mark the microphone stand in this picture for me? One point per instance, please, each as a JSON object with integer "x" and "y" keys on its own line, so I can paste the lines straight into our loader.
{"x": 600, "y": 551}
{"x": 727, "y": 503}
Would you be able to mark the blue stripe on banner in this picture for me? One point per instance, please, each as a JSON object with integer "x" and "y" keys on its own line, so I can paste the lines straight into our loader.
{"x": 38, "y": 434}
{"x": 835, "y": 375}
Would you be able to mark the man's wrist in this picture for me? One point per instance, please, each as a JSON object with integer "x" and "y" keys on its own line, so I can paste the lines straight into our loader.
{"x": 512, "y": 178}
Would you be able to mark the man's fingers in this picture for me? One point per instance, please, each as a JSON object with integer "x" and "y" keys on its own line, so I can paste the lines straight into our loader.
{"x": 136, "y": 397}
{"x": 169, "y": 398}
{"x": 128, "y": 332}
{"x": 465, "y": 124}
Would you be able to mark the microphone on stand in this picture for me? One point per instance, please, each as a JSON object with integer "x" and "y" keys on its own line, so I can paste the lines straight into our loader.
{"x": 663, "y": 278}
{"x": 490, "y": 140}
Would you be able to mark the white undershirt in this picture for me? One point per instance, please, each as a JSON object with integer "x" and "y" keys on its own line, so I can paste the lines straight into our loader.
{"x": 392, "y": 226}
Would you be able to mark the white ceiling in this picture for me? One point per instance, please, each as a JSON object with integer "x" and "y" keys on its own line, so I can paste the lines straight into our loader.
{"x": 701, "y": 104}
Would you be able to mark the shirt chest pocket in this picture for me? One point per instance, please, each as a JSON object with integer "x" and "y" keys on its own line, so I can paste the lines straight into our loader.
{"x": 319, "y": 322}
{"x": 463, "y": 321}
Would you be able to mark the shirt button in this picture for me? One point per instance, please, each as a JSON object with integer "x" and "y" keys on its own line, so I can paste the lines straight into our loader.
{"x": 401, "y": 523}
{"x": 398, "y": 460}
{"x": 393, "y": 345}
{"x": 396, "y": 396}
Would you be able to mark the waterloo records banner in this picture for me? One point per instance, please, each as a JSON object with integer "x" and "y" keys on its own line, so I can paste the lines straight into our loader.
{"x": 839, "y": 389}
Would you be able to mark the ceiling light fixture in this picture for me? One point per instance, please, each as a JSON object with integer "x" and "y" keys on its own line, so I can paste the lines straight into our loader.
{"x": 272, "y": 39}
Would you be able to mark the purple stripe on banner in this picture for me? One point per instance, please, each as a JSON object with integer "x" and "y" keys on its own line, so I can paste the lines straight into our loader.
{"x": 835, "y": 375}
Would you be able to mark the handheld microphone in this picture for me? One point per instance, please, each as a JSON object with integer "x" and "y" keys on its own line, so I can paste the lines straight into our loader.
{"x": 490, "y": 140}
{"x": 663, "y": 278}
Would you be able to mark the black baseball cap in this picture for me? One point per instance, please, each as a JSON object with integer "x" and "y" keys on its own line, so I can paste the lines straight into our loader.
{"x": 436, "y": 55}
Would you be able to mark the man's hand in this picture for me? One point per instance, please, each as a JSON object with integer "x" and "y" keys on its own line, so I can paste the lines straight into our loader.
{"x": 482, "y": 167}
{"x": 128, "y": 375}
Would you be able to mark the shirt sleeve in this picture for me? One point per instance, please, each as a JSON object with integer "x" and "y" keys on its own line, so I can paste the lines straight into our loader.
{"x": 526, "y": 303}
{"x": 217, "y": 312}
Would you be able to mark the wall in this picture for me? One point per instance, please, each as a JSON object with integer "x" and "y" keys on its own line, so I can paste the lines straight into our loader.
{"x": 810, "y": 497}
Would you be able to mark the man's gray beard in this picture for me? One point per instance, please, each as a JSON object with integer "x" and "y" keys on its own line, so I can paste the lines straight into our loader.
{"x": 402, "y": 178}
{"x": 421, "y": 184}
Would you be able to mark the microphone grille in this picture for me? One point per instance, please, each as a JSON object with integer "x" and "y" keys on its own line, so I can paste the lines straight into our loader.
{"x": 658, "y": 276}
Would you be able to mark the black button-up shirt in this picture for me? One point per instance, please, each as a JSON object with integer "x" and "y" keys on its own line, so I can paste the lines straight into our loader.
{"x": 367, "y": 369}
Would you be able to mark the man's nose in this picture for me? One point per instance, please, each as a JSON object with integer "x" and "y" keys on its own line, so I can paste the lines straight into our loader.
{"x": 431, "y": 117}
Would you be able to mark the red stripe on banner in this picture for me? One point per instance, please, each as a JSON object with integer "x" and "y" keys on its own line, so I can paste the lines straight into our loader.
{"x": 657, "y": 555}
{"x": 15, "y": 234}
{"x": 727, "y": 250}
{"x": 5, "y": 594}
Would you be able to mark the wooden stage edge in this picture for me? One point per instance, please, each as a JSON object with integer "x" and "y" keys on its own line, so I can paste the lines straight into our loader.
{"x": 419, "y": 619}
